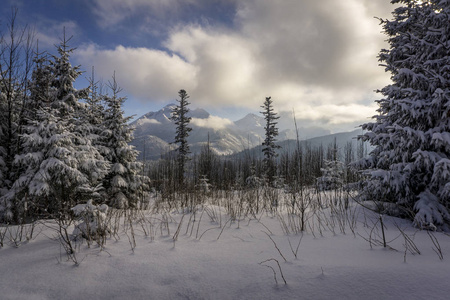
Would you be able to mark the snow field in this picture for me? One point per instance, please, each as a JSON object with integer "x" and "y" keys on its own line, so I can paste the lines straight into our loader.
{"x": 175, "y": 257}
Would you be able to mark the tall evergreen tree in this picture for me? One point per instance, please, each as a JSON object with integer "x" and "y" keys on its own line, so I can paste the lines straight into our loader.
{"x": 65, "y": 103}
{"x": 17, "y": 202}
{"x": 94, "y": 106}
{"x": 179, "y": 116}
{"x": 410, "y": 165}
{"x": 41, "y": 79}
{"x": 61, "y": 167}
{"x": 271, "y": 132}
{"x": 92, "y": 120}
{"x": 124, "y": 185}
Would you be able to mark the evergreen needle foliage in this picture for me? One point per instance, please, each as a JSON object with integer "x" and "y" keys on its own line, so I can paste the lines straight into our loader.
{"x": 181, "y": 119}
{"x": 410, "y": 165}
{"x": 59, "y": 146}
{"x": 271, "y": 132}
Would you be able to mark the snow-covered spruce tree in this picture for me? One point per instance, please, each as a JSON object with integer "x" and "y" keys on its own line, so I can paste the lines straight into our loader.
{"x": 94, "y": 106}
{"x": 65, "y": 102}
{"x": 41, "y": 79}
{"x": 18, "y": 206}
{"x": 269, "y": 146}
{"x": 124, "y": 186}
{"x": 332, "y": 174}
{"x": 92, "y": 119}
{"x": 332, "y": 170}
{"x": 410, "y": 165}
{"x": 61, "y": 167}
{"x": 179, "y": 116}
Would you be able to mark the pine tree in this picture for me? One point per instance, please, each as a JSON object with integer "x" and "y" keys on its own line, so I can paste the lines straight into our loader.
{"x": 179, "y": 116}
{"x": 67, "y": 107}
{"x": 124, "y": 185}
{"x": 332, "y": 174}
{"x": 94, "y": 106}
{"x": 410, "y": 165}
{"x": 271, "y": 132}
{"x": 17, "y": 201}
{"x": 41, "y": 79}
{"x": 61, "y": 167}
{"x": 92, "y": 120}
{"x": 332, "y": 170}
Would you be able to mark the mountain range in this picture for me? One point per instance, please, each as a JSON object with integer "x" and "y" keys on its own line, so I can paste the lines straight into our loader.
{"x": 155, "y": 133}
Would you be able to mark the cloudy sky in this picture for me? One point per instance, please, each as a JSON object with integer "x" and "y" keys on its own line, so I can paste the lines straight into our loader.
{"x": 315, "y": 57}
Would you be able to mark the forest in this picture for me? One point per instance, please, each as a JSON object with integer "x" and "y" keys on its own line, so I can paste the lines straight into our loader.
{"x": 66, "y": 163}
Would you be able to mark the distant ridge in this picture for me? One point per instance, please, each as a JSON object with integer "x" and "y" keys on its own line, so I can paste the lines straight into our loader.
{"x": 155, "y": 132}
{"x": 290, "y": 145}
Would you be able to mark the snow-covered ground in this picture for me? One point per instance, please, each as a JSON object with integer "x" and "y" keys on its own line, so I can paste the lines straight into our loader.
{"x": 217, "y": 258}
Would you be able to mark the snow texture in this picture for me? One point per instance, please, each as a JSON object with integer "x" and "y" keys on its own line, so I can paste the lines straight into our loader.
{"x": 237, "y": 265}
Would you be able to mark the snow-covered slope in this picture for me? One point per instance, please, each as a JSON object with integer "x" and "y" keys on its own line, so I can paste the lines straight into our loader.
{"x": 251, "y": 122}
{"x": 289, "y": 144}
{"x": 213, "y": 259}
{"x": 155, "y": 131}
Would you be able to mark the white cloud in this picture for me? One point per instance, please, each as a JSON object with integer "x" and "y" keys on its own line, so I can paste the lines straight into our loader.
{"x": 318, "y": 57}
{"x": 148, "y": 121}
{"x": 141, "y": 72}
{"x": 332, "y": 114}
{"x": 213, "y": 122}
{"x": 227, "y": 64}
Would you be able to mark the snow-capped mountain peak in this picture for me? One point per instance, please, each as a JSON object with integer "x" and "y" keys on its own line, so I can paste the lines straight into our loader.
{"x": 161, "y": 116}
{"x": 155, "y": 132}
{"x": 250, "y": 121}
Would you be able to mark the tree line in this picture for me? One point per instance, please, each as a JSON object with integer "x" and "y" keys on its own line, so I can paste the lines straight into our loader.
{"x": 59, "y": 146}
{"x": 180, "y": 170}
{"x": 408, "y": 172}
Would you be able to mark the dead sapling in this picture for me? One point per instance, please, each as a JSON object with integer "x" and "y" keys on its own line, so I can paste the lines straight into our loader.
{"x": 276, "y": 246}
{"x": 263, "y": 263}
{"x": 295, "y": 252}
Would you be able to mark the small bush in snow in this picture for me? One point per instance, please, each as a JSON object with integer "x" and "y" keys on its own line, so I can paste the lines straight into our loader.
{"x": 332, "y": 175}
{"x": 92, "y": 221}
{"x": 204, "y": 185}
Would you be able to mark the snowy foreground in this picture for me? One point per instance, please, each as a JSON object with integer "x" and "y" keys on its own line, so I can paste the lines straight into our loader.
{"x": 217, "y": 258}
